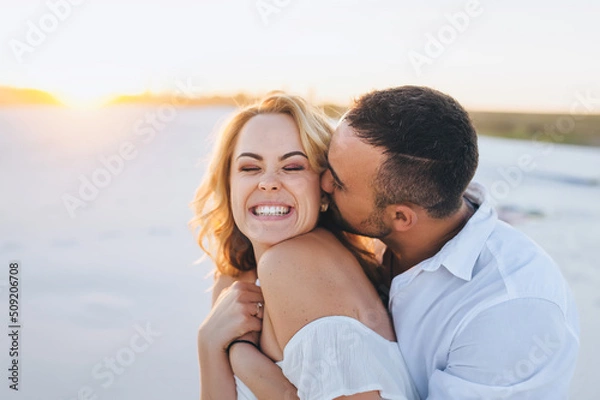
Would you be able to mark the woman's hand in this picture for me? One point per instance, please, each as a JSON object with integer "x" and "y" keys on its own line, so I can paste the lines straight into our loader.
{"x": 235, "y": 313}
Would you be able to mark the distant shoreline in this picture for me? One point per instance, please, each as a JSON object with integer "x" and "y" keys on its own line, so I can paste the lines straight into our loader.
{"x": 578, "y": 129}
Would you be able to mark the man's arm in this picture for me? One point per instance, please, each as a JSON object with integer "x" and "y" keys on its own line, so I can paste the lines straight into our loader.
{"x": 519, "y": 349}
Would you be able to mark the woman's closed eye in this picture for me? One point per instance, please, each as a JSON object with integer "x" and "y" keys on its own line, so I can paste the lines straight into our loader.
{"x": 294, "y": 167}
{"x": 249, "y": 168}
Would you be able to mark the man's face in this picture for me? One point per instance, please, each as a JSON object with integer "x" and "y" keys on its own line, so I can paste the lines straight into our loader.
{"x": 349, "y": 180}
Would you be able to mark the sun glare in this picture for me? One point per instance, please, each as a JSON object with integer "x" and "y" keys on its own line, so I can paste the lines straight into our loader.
{"x": 91, "y": 93}
{"x": 84, "y": 99}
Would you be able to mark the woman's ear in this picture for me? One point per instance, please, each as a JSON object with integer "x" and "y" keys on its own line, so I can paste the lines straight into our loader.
{"x": 404, "y": 217}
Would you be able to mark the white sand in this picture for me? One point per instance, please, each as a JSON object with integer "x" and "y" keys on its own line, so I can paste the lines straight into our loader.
{"x": 90, "y": 283}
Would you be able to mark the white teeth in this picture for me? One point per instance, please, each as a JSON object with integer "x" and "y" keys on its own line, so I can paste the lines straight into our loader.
{"x": 271, "y": 210}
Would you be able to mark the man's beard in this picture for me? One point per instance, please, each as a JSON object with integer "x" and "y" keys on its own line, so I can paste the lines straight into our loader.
{"x": 372, "y": 227}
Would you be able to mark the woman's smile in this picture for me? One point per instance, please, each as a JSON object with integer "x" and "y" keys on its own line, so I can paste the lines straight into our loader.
{"x": 275, "y": 195}
{"x": 271, "y": 210}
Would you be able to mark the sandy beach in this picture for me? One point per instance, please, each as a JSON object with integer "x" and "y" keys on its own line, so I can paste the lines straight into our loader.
{"x": 94, "y": 209}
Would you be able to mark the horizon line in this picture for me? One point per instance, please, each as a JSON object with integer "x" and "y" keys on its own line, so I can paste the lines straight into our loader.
{"x": 47, "y": 98}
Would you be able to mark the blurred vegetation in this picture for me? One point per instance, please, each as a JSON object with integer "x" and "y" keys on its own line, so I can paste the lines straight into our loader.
{"x": 579, "y": 129}
{"x": 558, "y": 128}
{"x": 238, "y": 99}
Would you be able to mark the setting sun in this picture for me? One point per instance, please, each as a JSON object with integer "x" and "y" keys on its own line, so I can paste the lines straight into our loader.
{"x": 90, "y": 87}
{"x": 118, "y": 116}
{"x": 84, "y": 53}
{"x": 84, "y": 98}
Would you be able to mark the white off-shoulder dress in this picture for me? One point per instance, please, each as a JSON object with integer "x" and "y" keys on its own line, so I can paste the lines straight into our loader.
{"x": 339, "y": 356}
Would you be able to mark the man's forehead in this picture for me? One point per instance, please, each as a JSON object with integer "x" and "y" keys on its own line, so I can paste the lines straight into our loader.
{"x": 342, "y": 137}
{"x": 345, "y": 144}
{"x": 343, "y": 127}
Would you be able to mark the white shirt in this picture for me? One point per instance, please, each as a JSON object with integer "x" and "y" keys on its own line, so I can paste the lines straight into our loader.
{"x": 488, "y": 317}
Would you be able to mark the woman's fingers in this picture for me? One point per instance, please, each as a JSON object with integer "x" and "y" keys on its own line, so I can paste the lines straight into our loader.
{"x": 247, "y": 292}
{"x": 253, "y": 324}
{"x": 255, "y": 309}
{"x": 238, "y": 310}
{"x": 246, "y": 285}
{"x": 260, "y": 308}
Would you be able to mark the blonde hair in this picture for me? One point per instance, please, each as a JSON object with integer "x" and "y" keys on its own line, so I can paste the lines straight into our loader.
{"x": 217, "y": 233}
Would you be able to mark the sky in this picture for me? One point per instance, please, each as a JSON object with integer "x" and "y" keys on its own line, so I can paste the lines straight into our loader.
{"x": 489, "y": 54}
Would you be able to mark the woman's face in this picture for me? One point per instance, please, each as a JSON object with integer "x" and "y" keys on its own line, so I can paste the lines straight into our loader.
{"x": 274, "y": 193}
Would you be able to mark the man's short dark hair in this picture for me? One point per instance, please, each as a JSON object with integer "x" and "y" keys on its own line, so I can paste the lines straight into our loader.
{"x": 429, "y": 142}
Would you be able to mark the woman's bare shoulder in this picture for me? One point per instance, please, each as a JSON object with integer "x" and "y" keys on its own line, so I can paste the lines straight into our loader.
{"x": 317, "y": 246}
{"x": 300, "y": 280}
{"x": 317, "y": 253}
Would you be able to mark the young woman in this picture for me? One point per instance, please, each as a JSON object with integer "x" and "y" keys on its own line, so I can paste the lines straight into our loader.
{"x": 316, "y": 328}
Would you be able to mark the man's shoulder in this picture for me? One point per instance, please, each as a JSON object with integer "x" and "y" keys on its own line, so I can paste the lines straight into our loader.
{"x": 516, "y": 253}
{"x": 525, "y": 268}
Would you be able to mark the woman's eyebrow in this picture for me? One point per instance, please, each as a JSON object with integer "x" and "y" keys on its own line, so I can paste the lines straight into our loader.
{"x": 291, "y": 154}
{"x": 283, "y": 157}
{"x": 251, "y": 155}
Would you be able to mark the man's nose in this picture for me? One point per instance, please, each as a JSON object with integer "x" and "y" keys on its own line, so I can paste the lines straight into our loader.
{"x": 327, "y": 182}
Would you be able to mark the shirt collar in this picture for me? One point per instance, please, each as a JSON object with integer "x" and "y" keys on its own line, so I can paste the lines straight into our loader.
{"x": 460, "y": 253}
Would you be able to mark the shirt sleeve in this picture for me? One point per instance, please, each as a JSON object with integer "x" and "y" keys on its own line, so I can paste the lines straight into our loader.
{"x": 338, "y": 356}
{"x": 519, "y": 349}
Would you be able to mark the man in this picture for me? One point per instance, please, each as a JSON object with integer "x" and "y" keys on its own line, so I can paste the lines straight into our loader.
{"x": 480, "y": 311}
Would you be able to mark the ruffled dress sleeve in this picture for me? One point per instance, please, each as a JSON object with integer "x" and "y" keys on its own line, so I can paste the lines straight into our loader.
{"x": 243, "y": 392}
{"x": 339, "y": 356}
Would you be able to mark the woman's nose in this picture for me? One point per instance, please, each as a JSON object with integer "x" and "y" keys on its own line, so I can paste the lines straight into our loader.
{"x": 268, "y": 183}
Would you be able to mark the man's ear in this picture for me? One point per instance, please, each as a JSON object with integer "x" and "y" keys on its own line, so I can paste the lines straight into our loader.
{"x": 403, "y": 217}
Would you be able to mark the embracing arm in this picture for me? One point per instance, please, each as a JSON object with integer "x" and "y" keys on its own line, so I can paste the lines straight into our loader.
{"x": 216, "y": 376}
{"x": 262, "y": 376}
{"x": 234, "y": 303}
{"x": 230, "y": 318}
{"x": 266, "y": 380}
